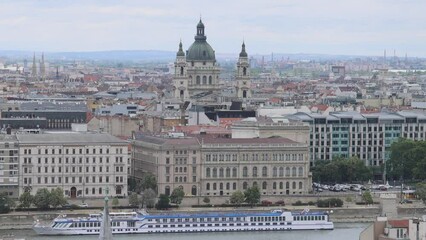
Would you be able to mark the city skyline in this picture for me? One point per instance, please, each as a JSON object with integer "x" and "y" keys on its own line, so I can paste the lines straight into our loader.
{"x": 318, "y": 27}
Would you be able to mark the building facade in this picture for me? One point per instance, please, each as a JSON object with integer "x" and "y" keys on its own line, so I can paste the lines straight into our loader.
{"x": 9, "y": 165}
{"x": 367, "y": 136}
{"x": 197, "y": 72}
{"x": 206, "y": 166}
{"x": 82, "y": 164}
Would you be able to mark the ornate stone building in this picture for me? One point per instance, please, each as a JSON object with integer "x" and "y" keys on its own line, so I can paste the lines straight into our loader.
{"x": 206, "y": 166}
{"x": 197, "y": 72}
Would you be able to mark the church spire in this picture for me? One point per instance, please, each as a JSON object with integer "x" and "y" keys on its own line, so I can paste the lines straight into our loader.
{"x": 42, "y": 66}
{"x": 243, "y": 52}
{"x": 180, "y": 53}
{"x": 34, "y": 67}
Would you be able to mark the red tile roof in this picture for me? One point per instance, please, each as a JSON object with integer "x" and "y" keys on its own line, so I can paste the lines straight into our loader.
{"x": 399, "y": 223}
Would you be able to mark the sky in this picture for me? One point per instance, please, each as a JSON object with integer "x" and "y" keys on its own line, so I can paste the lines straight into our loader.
{"x": 347, "y": 27}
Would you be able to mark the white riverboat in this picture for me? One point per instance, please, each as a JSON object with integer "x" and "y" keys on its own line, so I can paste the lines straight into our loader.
{"x": 141, "y": 222}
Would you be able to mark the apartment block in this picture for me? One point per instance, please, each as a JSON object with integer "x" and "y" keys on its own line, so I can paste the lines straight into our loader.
{"x": 82, "y": 164}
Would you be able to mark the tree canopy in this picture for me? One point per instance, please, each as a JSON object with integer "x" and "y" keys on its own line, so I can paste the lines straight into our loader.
{"x": 6, "y": 203}
{"x": 341, "y": 170}
{"x": 26, "y": 200}
{"x": 149, "y": 197}
{"x": 421, "y": 191}
{"x": 57, "y": 197}
{"x": 407, "y": 160}
{"x": 237, "y": 197}
{"x": 42, "y": 199}
{"x": 134, "y": 200}
{"x": 252, "y": 195}
{"x": 177, "y": 195}
{"x": 163, "y": 202}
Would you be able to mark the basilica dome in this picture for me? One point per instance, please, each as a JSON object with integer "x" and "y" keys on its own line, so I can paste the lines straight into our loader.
{"x": 200, "y": 50}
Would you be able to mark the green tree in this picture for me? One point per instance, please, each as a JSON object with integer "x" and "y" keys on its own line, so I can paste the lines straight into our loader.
{"x": 421, "y": 191}
{"x": 177, "y": 196}
{"x": 206, "y": 200}
{"x": 341, "y": 170}
{"x": 149, "y": 181}
{"x": 407, "y": 160}
{"x": 26, "y": 200}
{"x": 115, "y": 202}
{"x": 6, "y": 203}
{"x": 42, "y": 199}
{"x": 252, "y": 195}
{"x": 57, "y": 197}
{"x": 367, "y": 198}
{"x": 134, "y": 200}
{"x": 237, "y": 197}
{"x": 148, "y": 198}
{"x": 163, "y": 202}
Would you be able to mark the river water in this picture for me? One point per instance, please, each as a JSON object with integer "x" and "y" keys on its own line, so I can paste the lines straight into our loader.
{"x": 346, "y": 231}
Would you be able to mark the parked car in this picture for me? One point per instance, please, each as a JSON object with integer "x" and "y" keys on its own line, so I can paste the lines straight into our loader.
{"x": 83, "y": 205}
{"x": 67, "y": 206}
{"x": 266, "y": 203}
{"x": 406, "y": 201}
{"x": 280, "y": 202}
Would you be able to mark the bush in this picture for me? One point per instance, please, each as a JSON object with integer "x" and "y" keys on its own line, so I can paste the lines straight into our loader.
{"x": 330, "y": 202}
{"x": 311, "y": 203}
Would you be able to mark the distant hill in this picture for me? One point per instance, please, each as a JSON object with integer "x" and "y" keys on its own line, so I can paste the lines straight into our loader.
{"x": 117, "y": 55}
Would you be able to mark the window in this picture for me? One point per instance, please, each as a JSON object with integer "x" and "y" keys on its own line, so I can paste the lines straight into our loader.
{"x": 245, "y": 172}
{"x": 264, "y": 171}
{"x": 254, "y": 171}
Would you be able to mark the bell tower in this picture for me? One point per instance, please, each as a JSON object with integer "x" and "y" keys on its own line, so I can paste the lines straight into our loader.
{"x": 180, "y": 80}
{"x": 243, "y": 75}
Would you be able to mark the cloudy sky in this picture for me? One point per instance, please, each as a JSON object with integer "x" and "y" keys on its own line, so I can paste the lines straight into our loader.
{"x": 356, "y": 27}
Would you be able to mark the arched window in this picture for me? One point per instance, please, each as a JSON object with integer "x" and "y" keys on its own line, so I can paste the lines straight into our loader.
{"x": 184, "y": 179}
{"x": 264, "y": 185}
{"x": 274, "y": 186}
{"x": 300, "y": 185}
{"x": 245, "y": 172}
{"x": 300, "y": 171}
{"x": 181, "y": 71}
{"x": 244, "y": 71}
{"x": 294, "y": 185}
{"x": 228, "y": 172}
{"x": 245, "y": 185}
{"x": 234, "y": 172}
{"x": 281, "y": 185}
{"x": 208, "y": 172}
{"x": 176, "y": 179}
{"x": 210, "y": 80}
{"x": 274, "y": 172}
{"x": 204, "y": 80}
{"x": 194, "y": 190}
{"x": 281, "y": 172}
{"x": 93, "y": 190}
{"x": 87, "y": 191}
{"x": 176, "y": 169}
{"x": 254, "y": 171}
{"x": 293, "y": 172}
{"x": 100, "y": 190}
{"x": 221, "y": 172}
{"x": 228, "y": 186}
{"x": 198, "y": 80}
{"x": 180, "y": 179}
{"x": 214, "y": 186}
{"x": 208, "y": 186}
{"x": 254, "y": 184}
{"x": 287, "y": 185}
{"x": 190, "y": 79}
{"x": 221, "y": 186}
{"x": 214, "y": 172}
{"x": 234, "y": 186}
{"x": 287, "y": 172}
{"x": 264, "y": 171}
{"x": 167, "y": 190}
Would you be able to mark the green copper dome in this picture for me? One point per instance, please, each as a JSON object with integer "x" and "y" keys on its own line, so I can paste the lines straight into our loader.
{"x": 200, "y": 50}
